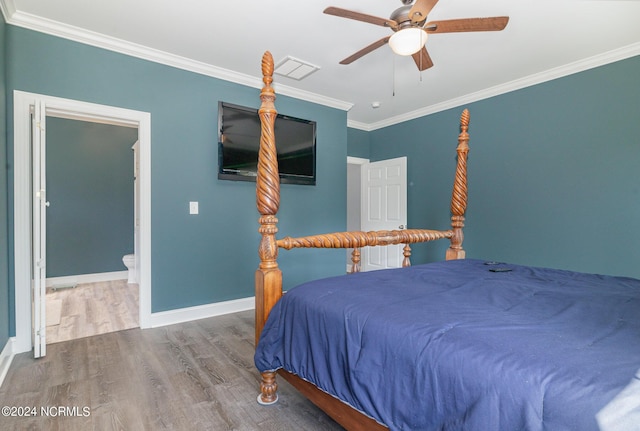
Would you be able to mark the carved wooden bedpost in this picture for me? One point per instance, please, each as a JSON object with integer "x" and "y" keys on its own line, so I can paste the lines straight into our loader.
{"x": 268, "y": 276}
{"x": 406, "y": 252}
{"x": 459, "y": 195}
{"x": 355, "y": 260}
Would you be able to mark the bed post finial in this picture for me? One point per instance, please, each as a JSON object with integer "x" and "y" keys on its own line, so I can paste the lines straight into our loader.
{"x": 267, "y": 69}
{"x": 459, "y": 195}
{"x": 268, "y": 282}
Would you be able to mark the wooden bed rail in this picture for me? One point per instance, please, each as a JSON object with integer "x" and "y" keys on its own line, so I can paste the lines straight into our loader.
{"x": 358, "y": 239}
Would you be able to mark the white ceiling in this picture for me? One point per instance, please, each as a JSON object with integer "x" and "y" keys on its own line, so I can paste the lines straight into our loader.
{"x": 544, "y": 39}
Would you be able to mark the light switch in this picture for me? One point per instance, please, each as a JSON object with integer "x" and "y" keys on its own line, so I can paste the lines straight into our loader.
{"x": 193, "y": 207}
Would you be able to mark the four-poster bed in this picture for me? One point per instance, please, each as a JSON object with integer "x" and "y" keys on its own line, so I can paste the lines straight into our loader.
{"x": 458, "y": 344}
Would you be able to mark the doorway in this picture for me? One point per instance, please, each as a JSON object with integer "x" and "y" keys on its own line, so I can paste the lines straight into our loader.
{"x": 90, "y": 213}
{"x": 29, "y": 320}
{"x": 354, "y": 165}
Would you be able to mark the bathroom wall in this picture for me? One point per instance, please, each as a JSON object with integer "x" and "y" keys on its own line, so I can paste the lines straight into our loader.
{"x": 90, "y": 189}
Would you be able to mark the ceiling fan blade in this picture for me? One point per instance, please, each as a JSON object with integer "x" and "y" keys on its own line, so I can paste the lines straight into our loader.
{"x": 344, "y": 13}
{"x": 422, "y": 59}
{"x": 495, "y": 23}
{"x": 421, "y": 9}
{"x": 366, "y": 50}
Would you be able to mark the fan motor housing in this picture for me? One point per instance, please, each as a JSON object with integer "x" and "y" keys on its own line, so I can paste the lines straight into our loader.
{"x": 401, "y": 16}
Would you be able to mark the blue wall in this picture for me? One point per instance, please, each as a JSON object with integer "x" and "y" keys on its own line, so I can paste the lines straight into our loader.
{"x": 90, "y": 187}
{"x": 358, "y": 143}
{"x": 554, "y": 172}
{"x": 4, "y": 243}
{"x": 210, "y": 257}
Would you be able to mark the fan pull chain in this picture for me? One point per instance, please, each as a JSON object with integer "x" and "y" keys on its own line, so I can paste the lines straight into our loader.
{"x": 421, "y": 59}
{"x": 393, "y": 77}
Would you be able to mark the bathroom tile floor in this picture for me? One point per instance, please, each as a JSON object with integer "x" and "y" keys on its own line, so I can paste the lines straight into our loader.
{"x": 92, "y": 309}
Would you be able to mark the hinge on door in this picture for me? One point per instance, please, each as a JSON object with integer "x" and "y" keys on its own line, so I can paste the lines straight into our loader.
{"x": 39, "y": 125}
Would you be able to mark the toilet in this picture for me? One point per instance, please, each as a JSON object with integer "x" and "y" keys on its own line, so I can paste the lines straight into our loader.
{"x": 129, "y": 261}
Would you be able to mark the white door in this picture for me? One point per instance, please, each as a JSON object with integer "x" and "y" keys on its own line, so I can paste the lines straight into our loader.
{"x": 38, "y": 254}
{"x": 383, "y": 207}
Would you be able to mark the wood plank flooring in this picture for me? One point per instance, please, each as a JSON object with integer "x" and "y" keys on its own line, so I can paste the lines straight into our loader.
{"x": 93, "y": 308}
{"x": 192, "y": 376}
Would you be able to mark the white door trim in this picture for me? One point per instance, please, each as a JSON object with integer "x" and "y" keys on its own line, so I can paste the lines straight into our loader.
{"x": 356, "y": 160}
{"x": 72, "y": 109}
{"x": 351, "y": 211}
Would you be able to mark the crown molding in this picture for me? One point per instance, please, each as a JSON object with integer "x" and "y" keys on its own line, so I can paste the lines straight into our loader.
{"x": 77, "y": 34}
{"x": 359, "y": 125}
{"x": 538, "y": 78}
{"x": 8, "y": 8}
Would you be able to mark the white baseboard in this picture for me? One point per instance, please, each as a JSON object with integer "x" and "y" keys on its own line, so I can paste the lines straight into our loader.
{"x": 181, "y": 315}
{"x": 171, "y": 317}
{"x": 88, "y": 278}
{"x": 5, "y": 359}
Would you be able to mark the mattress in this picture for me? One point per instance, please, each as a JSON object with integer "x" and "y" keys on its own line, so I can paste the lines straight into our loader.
{"x": 466, "y": 345}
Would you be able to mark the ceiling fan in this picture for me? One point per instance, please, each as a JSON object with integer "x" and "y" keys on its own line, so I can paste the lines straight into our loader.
{"x": 411, "y": 29}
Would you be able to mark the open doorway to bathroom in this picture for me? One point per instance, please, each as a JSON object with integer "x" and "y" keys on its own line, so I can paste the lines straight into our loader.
{"x": 90, "y": 185}
{"x": 31, "y": 206}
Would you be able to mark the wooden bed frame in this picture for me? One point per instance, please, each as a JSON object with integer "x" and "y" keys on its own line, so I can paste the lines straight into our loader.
{"x": 268, "y": 279}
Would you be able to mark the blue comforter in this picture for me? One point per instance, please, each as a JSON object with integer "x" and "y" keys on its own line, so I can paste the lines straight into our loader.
{"x": 456, "y": 346}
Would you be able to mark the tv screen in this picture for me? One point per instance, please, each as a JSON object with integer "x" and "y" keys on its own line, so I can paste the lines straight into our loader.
{"x": 239, "y": 141}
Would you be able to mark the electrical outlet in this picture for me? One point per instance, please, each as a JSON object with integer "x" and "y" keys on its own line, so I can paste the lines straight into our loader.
{"x": 193, "y": 207}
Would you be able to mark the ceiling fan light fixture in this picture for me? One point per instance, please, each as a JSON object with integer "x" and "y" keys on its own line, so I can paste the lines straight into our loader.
{"x": 408, "y": 41}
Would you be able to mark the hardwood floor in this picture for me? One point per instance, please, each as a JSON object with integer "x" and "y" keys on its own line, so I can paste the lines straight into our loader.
{"x": 192, "y": 376}
{"x": 91, "y": 309}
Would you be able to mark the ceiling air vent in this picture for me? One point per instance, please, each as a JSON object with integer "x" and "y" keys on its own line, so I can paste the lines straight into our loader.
{"x": 294, "y": 68}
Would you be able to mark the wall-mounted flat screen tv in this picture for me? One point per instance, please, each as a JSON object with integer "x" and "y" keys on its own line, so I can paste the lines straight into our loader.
{"x": 239, "y": 141}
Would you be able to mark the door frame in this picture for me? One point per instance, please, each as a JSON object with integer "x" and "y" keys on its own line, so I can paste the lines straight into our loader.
{"x": 354, "y": 161}
{"x": 22, "y": 196}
